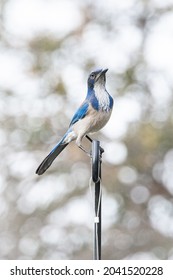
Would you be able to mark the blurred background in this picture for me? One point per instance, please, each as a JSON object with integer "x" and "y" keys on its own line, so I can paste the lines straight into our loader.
{"x": 47, "y": 49}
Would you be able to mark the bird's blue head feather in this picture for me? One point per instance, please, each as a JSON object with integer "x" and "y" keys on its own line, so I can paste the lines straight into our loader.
{"x": 97, "y": 76}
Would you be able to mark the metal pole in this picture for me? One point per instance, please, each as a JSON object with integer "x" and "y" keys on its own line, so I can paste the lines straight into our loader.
{"x": 96, "y": 177}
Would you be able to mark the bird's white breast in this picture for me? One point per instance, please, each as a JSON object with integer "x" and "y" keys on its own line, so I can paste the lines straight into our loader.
{"x": 102, "y": 97}
{"x": 92, "y": 122}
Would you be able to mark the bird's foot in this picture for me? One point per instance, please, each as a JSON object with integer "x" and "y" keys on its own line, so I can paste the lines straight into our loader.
{"x": 85, "y": 151}
{"x": 91, "y": 140}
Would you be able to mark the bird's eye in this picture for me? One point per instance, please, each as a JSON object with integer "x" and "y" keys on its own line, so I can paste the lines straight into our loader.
{"x": 92, "y": 76}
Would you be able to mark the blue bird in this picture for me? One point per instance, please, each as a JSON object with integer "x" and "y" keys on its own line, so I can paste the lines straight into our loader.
{"x": 91, "y": 116}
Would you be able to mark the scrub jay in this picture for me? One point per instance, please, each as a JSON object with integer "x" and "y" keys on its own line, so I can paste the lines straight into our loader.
{"x": 91, "y": 116}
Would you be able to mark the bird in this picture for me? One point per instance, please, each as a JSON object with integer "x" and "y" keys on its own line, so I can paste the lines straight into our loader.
{"x": 91, "y": 116}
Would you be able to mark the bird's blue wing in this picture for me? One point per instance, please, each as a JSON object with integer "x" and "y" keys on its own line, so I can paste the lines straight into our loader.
{"x": 80, "y": 113}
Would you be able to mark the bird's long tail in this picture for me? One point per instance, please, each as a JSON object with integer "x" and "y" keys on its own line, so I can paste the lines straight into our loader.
{"x": 46, "y": 163}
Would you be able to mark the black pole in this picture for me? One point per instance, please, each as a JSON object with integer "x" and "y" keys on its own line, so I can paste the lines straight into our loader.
{"x": 96, "y": 177}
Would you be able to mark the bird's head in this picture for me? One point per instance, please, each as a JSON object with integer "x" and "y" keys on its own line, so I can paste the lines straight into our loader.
{"x": 97, "y": 77}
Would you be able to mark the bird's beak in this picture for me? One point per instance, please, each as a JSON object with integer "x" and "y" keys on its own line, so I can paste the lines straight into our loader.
{"x": 102, "y": 72}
